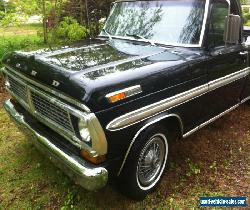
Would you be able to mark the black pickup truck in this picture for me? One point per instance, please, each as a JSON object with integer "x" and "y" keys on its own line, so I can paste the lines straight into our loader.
{"x": 109, "y": 108}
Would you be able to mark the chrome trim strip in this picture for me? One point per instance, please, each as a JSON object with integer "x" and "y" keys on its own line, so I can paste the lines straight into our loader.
{"x": 130, "y": 91}
{"x": 146, "y": 112}
{"x": 215, "y": 118}
{"x": 143, "y": 128}
{"x": 11, "y": 71}
{"x": 210, "y": 121}
{"x": 228, "y": 79}
{"x": 186, "y": 134}
{"x": 99, "y": 141}
{"x": 245, "y": 99}
{"x": 89, "y": 177}
{"x": 156, "y": 108}
{"x": 204, "y": 22}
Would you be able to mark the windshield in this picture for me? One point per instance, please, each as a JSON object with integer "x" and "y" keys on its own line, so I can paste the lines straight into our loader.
{"x": 174, "y": 22}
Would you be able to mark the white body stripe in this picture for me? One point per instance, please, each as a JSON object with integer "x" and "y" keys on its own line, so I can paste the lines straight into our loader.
{"x": 146, "y": 112}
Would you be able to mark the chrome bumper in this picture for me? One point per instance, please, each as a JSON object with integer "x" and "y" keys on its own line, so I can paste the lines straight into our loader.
{"x": 84, "y": 174}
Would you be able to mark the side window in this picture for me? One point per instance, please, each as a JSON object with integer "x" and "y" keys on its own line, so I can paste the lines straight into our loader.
{"x": 219, "y": 12}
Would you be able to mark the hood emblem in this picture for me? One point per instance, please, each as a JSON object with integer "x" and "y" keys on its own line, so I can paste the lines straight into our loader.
{"x": 33, "y": 73}
{"x": 55, "y": 83}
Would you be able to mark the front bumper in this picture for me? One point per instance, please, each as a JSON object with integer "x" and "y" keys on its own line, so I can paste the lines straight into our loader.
{"x": 88, "y": 176}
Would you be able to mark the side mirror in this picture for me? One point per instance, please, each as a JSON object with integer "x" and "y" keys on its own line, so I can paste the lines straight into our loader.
{"x": 246, "y": 35}
{"x": 247, "y": 42}
{"x": 232, "y": 29}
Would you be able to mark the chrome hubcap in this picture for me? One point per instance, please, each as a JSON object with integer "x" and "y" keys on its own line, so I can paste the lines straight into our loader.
{"x": 151, "y": 161}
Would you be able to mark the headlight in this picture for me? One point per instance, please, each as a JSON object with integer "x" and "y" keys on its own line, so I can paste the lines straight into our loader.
{"x": 91, "y": 132}
{"x": 84, "y": 131}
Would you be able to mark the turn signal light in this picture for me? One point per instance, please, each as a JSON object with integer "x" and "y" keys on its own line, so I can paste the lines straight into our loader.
{"x": 95, "y": 160}
{"x": 122, "y": 94}
{"x": 117, "y": 97}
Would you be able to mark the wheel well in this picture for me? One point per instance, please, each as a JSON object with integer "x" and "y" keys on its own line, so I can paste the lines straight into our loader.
{"x": 174, "y": 126}
{"x": 172, "y": 122}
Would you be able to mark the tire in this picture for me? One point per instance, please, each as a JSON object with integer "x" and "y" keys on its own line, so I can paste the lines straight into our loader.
{"x": 145, "y": 164}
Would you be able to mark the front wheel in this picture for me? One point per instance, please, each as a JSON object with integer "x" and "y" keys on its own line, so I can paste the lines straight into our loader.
{"x": 145, "y": 164}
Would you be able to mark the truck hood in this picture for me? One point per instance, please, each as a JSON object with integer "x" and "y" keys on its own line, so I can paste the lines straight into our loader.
{"x": 88, "y": 71}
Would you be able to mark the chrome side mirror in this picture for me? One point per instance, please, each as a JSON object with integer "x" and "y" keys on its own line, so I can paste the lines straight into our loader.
{"x": 232, "y": 29}
{"x": 247, "y": 42}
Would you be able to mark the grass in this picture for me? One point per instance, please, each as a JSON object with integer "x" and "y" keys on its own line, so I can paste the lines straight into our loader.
{"x": 18, "y": 38}
{"x": 21, "y": 30}
{"x": 213, "y": 162}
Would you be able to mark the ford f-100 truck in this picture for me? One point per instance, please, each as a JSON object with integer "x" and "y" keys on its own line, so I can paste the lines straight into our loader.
{"x": 109, "y": 108}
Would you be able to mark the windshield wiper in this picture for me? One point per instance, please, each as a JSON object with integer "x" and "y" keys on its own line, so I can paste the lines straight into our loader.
{"x": 136, "y": 36}
{"x": 109, "y": 35}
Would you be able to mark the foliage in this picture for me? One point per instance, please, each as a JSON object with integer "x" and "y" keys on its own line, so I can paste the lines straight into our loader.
{"x": 17, "y": 38}
{"x": 2, "y": 15}
{"x": 10, "y": 44}
{"x": 69, "y": 30}
{"x": 1, "y": 5}
{"x": 246, "y": 17}
{"x": 9, "y": 19}
{"x": 88, "y": 13}
{"x": 7, "y": 6}
{"x": 12, "y": 12}
{"x": 28, "y": 7}
{"x": 244, "y": 2}
{"x": 193, "y": 168}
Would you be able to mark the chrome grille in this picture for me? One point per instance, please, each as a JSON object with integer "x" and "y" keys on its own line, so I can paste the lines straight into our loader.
{"x": 51, "y": 111}
{"x": 44, "y": 107}
{"x": 18, "y": 89}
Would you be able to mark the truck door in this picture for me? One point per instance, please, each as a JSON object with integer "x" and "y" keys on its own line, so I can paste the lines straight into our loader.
{"x": 226, "y": 63}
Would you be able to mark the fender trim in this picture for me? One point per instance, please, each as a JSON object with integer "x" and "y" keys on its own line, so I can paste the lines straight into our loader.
{"x": 146, "y": 126}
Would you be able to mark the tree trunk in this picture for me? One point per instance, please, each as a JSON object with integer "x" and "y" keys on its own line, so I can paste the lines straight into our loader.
{"x": 81, "y": 12}
{"x": 87, "y": 16}
{"x": 45, "y": 33}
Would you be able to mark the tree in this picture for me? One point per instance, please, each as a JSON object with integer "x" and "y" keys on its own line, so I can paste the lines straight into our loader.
{"x": 244, "y": 2}
{"x": 87, "y": 12}
{"x": 2, "y": 7}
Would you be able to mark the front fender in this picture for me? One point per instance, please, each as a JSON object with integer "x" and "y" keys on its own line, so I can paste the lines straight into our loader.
{"x": 160, "y": 118}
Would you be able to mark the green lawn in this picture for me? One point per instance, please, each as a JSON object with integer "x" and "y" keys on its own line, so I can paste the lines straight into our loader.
{"x": 22, "y": 37}
{"x": 22, "y": 30}
{"x": 213, "y": 162}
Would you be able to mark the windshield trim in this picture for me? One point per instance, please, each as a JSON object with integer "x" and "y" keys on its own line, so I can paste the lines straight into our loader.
{"x": 151, "y": 40}
{"x": 168, "y": 43}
